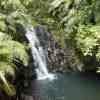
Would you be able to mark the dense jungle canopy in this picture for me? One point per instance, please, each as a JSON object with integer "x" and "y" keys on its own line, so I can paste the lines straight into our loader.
{"x": 72, "y": 22}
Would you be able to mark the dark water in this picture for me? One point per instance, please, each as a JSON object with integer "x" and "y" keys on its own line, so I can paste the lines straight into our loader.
{"x": 70, "y": 86}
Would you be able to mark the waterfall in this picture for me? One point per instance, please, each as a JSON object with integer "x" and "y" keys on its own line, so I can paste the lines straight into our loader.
{"x": 38, "y": 54}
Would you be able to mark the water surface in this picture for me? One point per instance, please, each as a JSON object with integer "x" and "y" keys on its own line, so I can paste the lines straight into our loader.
{"x": 69, "y": 86}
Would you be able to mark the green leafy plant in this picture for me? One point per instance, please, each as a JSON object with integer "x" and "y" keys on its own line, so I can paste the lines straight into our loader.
{"x": 77, "y": 21}
{"x": 10, "y": 51}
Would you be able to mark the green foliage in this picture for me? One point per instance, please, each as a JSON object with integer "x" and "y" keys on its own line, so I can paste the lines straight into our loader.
{"x": 87, "y": 39}
{"x": 10, "y": 51}
{"x": 7, "y": 69}
{"x": 77, "y": 21}
{"x": 11, "y": 14}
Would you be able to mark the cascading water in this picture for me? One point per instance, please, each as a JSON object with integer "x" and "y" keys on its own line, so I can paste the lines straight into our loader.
{"x": 38, "y": 54}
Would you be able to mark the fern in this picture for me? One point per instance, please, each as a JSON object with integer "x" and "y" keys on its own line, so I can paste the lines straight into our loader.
{"x": 13, "y": 50}
{"x": 10, "y": 51}
{"x": 7, "y": 69}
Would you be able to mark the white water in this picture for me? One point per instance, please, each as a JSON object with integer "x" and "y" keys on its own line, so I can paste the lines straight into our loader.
{"x": 38, "y": 55}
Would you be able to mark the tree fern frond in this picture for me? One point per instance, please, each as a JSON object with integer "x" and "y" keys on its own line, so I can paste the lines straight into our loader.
{"x": 7, "y": 68}
{"x": 10, "y": 49}
{"x": 5, "y": 85}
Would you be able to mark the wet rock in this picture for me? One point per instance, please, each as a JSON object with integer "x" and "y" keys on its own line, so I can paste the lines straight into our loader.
{"x": 56, "y": 55}
{"x": 26, "y": 97}
{"x": 59, "y": 59}
{"x": 3, "y": 96}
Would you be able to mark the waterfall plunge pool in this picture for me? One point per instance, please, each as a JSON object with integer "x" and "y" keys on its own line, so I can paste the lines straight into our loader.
{"x": 69, "y": 86}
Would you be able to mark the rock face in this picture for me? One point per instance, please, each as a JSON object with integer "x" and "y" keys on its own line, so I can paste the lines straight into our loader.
{"x": 58, "y": 59}
{"x": 3, "y": 96}
{"x": 72, "y": 60}
{"x": 55, "y": 55}
{"x": 62, "y": 59}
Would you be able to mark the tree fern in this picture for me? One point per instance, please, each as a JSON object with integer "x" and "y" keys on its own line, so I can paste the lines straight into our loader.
{"x": 10, "y": 50}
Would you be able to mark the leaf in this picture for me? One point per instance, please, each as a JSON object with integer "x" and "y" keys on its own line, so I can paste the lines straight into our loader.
{"x": 8, "y": 88}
